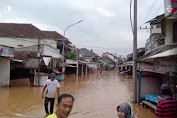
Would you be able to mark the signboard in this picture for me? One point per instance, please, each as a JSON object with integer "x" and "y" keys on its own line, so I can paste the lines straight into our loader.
{"x": 156, "y": 30}
{"x": 6, "y": 51}
{"x": 170, "y": 7}
{"x": 145, "y": 66}
{"x": 174, "y": 7}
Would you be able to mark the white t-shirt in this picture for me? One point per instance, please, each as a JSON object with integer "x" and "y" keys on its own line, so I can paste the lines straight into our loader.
{"x": 51, "y": 88}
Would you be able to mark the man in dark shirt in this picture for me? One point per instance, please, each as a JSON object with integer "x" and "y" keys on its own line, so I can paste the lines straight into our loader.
{"x": 167, "y": 106}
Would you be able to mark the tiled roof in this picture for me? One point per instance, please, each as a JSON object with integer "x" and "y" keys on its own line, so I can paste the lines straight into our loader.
{"x": 54, "y": 35}
{"x": 20, "y": 31}
{"x": 88, "y": 53}
{"x": 24, "y": 55}
{"x": 106, "y": 57}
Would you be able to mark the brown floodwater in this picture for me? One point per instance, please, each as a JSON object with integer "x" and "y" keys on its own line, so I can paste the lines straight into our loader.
{"x": 97, "y": 96}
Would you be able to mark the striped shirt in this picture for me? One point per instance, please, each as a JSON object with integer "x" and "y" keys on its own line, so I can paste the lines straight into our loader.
{"x": 167, "y": 108}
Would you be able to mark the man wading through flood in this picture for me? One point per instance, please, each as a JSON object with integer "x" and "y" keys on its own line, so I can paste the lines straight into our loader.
{"x": 52, "y": 86}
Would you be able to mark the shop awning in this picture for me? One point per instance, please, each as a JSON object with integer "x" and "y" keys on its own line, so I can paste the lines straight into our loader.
{"x": 151, "y": 71}
{"x": 167, "y": 53}
{"x": 72, "y": 66}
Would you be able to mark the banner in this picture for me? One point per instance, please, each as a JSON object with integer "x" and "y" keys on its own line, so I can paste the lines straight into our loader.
{"x": 6, "y": 51}
{"x": 145, "y": 66}
{"x": 170, "y": 7}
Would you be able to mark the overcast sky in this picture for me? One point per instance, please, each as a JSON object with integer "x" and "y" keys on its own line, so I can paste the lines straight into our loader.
{"x": 105, "y": 26}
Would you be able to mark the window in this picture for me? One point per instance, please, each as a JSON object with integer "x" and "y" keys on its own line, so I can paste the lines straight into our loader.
{"x": 20, "y": 46}
{"x": 175, "y": 32}
{"x": 158, "y": 25}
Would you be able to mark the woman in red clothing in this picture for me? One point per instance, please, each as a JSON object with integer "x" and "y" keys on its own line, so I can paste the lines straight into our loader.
{"x": 98, "y": 69}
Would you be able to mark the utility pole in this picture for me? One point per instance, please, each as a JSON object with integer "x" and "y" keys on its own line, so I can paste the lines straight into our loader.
{"x": 38, "y": 56}
{"x": 135, "y": 54}
{"x": 146, "y": 28}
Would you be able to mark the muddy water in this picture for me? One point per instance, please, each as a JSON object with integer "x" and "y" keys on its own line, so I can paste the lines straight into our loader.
{"x": 97, "y": 96}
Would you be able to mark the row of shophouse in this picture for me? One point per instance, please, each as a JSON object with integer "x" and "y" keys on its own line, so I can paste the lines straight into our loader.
{"x": 157, "y": 62}
{"x": 25, "y": 50}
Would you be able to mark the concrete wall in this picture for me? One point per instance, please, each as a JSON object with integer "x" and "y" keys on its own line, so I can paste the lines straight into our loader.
{"x": 168, "y": 64}
{"x": 88, "y": 59}
{"x": 70, "y": 61}
{"x": 169, "y": 32}
{"x": 15, "y": 42}
{"x": 55, "y": 53}
{"x": 29, "y": 48}
{"x": 4, "y": 71}
{"x": 94, "y": 65}
{"x": 44, "y": 49}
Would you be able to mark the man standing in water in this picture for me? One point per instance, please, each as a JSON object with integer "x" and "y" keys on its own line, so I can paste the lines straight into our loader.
{"x": 52, "y": 87}
{"x": 167, "y": 106}
{"x": 64, "y": 106}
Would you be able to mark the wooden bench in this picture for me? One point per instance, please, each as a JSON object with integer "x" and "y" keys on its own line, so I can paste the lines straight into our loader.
{"x": 149, "y": 104}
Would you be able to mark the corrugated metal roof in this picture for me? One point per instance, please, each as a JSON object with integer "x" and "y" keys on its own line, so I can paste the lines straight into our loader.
{"x": 170, "y": 52}
{"x": 24, "y": 55}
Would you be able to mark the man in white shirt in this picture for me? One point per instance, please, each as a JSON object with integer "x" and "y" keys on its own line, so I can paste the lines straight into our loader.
{"x": 52, "y": 86}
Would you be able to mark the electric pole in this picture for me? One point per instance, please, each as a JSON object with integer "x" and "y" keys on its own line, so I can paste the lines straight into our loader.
{"x": 135, "y": 54}
{"x": 146, "y": 28}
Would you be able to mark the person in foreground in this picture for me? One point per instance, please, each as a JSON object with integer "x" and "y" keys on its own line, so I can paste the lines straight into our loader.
{"x": 64, "y": 106}
{"x": 124, "y": 111}
{"x": 167, "y": 106}
{"x": 53, "y": 87}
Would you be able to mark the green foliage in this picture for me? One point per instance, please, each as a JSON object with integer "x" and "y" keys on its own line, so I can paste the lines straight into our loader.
{"x": 73, "y": 56}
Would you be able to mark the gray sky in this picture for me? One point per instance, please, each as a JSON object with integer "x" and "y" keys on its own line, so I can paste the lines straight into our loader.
{"x": 106, "y": 22}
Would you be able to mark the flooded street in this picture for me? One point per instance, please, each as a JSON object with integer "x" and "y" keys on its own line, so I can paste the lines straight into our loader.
{"x": 96, "y": 96}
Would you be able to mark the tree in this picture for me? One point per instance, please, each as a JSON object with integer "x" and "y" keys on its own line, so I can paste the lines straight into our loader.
{"x": 73, "y": 56}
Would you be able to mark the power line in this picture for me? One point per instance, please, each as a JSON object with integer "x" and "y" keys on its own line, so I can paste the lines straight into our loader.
{"x": 149, "y": 12}
{"x": 158, "y": 9}
{"x": 148, "y": 15}
{"x": 103, "y": 47}
{"x": 153, "y": 16}
{"x": 146, "y": 18}
{"x": 144, "y": 36}
{"x": 140, "y": 35}
{"x": 121, "y": 20}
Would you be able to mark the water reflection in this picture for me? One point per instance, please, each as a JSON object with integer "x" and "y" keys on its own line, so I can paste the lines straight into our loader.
{"x": 97, "y": 96}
